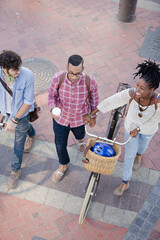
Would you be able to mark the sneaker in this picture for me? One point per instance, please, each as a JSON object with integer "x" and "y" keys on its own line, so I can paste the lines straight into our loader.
{"x": 13, "y": 179}
{"x": 137, "y": 162}
{"x": 29, "y": 143}
{"x": 120, "y": 190}
{"x": 58, "y": 174}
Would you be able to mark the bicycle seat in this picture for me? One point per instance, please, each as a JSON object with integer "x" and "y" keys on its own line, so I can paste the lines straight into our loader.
{"x": 103, "y": 149}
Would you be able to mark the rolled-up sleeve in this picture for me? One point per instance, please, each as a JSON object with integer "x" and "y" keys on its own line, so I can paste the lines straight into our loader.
{"x": 94, "y": 98}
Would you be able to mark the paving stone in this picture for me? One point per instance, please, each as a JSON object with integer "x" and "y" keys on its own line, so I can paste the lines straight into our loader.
{"x": 139, "y": 222}
{"x": 156, "y": 211}
{"x": 147, "y": 226}
{"x": 38, "y": 238}
{"x": 143, "y": 214}
{"x": 147, "y": 207}
{"x": 37, "y": 194}
{"x": 153, "y": 219}
{"x": 96, "y": 211}
{"x": 143, "y": 234}
{"x": 55, "y": 198}
{"x": 152, "y": 198}
{"x": 156, "y": 191}
{"x": 73, "y": 204}
{"x": 153, "y": 176}
{"x": 119, "y": 217}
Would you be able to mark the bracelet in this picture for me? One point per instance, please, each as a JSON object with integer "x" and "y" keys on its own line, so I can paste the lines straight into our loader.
{"x": 14, "y": 121}
{"x": 92, "y": 116}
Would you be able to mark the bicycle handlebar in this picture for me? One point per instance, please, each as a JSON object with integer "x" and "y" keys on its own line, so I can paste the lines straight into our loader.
{"x": 108, "y": 140}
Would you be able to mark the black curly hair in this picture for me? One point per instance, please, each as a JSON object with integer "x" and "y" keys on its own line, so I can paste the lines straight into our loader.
{"x": 10, "y": 59}
{"x": 150, "y": 72}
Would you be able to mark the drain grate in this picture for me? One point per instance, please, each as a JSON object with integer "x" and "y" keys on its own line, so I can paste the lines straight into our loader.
{"x": 43, "y": 71}
{"x": 151, "y": 45}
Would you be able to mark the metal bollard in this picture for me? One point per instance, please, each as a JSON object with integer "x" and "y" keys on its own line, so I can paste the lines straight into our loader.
{"x": 127, "y": 9}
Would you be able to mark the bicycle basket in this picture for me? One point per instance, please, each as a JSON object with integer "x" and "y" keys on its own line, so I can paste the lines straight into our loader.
{"x": 99, "y": 164}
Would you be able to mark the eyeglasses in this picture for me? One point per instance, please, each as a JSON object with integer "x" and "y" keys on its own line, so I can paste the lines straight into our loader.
{"x": 75, "y": 74}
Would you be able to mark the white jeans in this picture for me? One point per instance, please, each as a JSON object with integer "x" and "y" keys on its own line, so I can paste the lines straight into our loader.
{"x": 138, "y": 146}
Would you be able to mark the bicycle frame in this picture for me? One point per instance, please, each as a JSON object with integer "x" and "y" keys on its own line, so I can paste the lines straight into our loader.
{"x": 113, "y": 126}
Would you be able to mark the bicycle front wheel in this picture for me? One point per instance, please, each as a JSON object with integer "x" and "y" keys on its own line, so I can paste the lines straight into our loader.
{"x": 88, "y": 198}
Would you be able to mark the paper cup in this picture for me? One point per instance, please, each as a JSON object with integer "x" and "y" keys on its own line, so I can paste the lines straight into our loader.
{"x": 56, "y": 111}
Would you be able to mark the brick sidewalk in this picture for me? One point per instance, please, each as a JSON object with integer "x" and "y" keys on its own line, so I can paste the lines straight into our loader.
{"x": 25, "y": 220}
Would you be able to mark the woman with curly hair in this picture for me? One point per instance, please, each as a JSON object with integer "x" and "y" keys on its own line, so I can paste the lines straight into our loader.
{"x": 142, "y": 118}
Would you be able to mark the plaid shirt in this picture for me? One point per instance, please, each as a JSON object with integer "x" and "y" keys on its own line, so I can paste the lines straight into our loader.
{"x": 73, "y": 99}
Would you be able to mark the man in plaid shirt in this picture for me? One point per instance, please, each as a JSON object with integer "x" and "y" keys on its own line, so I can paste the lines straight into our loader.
{"x": 72, "y": 98}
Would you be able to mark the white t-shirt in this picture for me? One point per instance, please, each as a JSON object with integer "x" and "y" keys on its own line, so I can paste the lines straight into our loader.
{"x": 8, "y": 101}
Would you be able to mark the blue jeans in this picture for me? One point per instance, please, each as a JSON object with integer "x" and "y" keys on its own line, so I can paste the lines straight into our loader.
{"x": 23, "y": 129}
{"x": 61, "y": 138}
{"x": 138, "y": 146}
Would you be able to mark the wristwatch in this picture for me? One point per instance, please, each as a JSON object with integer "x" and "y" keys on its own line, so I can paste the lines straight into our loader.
{"x": 16, "y": 119}
{"x": 138, "y": 129}
{"x": 95, "y": 115}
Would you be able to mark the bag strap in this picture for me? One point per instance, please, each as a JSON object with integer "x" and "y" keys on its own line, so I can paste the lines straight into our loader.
{"x": 61, "y": 80}
{"x": 6, "y": 87}
{"x": 88, "y": 85}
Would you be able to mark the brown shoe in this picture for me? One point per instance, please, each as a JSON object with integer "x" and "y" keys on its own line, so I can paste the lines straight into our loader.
{"x": 29, "y": 143}
{"x": 13, "y": 179}
{"x": 58, "y": 174}
{"x": 137, "y": 162}
{"x": 120, "y": 190}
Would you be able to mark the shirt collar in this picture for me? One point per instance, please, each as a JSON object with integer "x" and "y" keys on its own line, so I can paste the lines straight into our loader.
{"x": 77, "y": 83}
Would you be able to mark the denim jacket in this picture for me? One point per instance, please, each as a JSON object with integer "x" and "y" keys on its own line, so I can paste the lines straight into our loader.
{"x": 23, "y": 92}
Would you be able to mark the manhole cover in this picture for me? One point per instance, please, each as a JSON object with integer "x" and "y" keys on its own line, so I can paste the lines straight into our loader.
{"x": 43, "y": 71}
{"x": 151, "y": 45}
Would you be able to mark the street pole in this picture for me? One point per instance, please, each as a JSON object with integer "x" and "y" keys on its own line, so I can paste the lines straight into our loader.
{"x": 127, "y": 9}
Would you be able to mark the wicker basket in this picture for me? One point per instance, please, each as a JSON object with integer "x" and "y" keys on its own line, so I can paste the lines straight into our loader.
{"x": 99, "y": 164}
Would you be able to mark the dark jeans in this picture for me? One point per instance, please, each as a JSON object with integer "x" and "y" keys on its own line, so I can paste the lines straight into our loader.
{"x": 23, "y": 129}
{"x": 61, "y": 139}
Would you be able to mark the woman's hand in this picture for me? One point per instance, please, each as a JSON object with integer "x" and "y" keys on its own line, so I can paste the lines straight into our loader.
{"x": 134, "y": 133}
{"x": 10, "y": 126}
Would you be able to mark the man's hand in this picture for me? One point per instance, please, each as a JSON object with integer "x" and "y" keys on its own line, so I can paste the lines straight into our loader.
{"x": 10, "y": 126}
{"x": 134, "y": 133}
{"x": 86, "y": 118}
{"x": 92, "y": 122}
{"x": 54, "y": 116}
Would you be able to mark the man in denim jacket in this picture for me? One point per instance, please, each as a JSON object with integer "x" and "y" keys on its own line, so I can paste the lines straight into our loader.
{"x": 17, "y": 107}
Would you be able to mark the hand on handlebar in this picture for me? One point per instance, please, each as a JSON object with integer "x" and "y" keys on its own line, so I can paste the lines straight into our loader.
{"x": 87, "y": 119}
{"x": 10, "y": 126}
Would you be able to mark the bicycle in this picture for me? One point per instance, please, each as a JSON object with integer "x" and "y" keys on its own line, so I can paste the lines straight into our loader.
{"x": 112, "y": 129}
